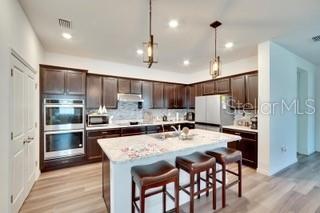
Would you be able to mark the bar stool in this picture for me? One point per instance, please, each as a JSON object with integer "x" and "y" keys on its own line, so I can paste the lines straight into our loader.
{"x": 225, "y": 156}
{"x": 152, "y": 176}
{"x": 194, "y": 164}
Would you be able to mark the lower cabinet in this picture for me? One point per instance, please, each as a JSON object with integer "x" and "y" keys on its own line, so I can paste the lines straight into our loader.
{"x": 248, "y": 145}
{"x": 94, "y": 152}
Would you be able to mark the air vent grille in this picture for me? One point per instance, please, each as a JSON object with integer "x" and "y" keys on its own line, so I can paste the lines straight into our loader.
{"x": 65, "y": 23}
{"x": 316, "y": 38}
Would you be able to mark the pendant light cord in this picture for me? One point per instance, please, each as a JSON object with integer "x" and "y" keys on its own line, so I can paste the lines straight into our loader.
{"x": 150, "y": 9}
{"x": 215, "y": 42}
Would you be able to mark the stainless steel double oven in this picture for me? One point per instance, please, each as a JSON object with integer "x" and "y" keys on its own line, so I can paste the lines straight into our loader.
{"x": 64, "y": 121}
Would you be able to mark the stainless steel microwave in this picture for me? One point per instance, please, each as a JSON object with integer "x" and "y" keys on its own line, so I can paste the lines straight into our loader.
{"x": 96, "y": 120}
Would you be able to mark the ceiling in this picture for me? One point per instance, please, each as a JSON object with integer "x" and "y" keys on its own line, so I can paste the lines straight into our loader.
{"x": 114, "y": 29}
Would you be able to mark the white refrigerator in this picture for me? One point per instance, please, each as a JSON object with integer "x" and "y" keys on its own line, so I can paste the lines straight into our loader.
{"x": 213, "y": 110}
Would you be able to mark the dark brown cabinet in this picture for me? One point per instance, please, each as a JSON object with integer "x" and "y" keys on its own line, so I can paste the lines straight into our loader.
{"x": 199, "y": 89}
{"x": 124, "y": 85}
{"x": 222, "y": 86}
{"x": 130, "y": 131}
{"x": 190, "y": 96}
{"x": 147, "y": 94}
{"x": 180, "y": 97}
{"x": 208, "y": 88}
{"x": 94, "y": 152}
{"x": 169, "y": 96}
{"x": 248, "y": 145}
{"x": 94, "y": 91}
{"x": 251, "y": 91}
{"x": 135, "y": 86}
{"x": 110, "y": 91}
{"x": 59, "y": 81}
{"x": 238, "y": 91}
{"x": 158, "y": 101}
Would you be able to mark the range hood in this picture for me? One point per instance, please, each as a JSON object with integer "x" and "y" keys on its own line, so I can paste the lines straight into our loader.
{"x": 129, "y": 97}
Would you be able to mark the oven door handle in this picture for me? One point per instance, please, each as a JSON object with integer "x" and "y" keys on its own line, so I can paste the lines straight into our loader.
{"x": 70, "y": 106}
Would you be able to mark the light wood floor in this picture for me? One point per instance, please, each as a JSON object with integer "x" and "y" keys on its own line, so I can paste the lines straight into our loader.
{"x": 78, "y": 189}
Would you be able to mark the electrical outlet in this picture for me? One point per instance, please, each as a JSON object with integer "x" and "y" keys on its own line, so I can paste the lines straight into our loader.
{"x": 284, "y": 148}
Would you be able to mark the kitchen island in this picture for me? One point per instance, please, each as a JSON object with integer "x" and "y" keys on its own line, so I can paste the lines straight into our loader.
{"x": 120, "y": 154}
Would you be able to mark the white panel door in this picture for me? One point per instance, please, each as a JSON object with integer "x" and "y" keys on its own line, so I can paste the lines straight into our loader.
{"x": 23, "y": 133}
{"x": 18, "y": 141}
{"x": 200, "y": 109}
{"x": 213, "y": 109}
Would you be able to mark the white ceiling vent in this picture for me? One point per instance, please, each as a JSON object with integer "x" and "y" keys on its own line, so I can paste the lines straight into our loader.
{"x": 66, "y": 24}
{"x": 316, "y": 38}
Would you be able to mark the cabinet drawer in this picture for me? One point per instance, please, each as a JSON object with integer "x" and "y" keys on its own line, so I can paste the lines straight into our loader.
{"x": 153, "y": 129}
{"x": 243, "y": 134}
{"x": 133, "y": 131}
{"x": 110, "y": 133}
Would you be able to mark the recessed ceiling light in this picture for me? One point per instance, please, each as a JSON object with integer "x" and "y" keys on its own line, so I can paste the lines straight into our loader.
{"x": 186, "y": 62}
{"x": 173, "y": 23}
{"x": 66, "y": 35}
{"x": 229, "y": 45}
{"x": 139, "y": 51}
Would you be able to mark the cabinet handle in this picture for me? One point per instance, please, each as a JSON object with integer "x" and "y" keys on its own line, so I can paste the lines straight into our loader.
{"x": 237, "y": 133}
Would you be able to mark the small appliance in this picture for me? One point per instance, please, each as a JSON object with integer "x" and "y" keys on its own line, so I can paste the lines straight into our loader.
{"x": 190, "y": 116}
{"x": 254, "y": 122}
{"x": 98, "y": 119}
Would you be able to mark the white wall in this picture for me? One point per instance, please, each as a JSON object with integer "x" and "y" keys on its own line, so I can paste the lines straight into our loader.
{"x": 110, "y": 68}
{"x": 232, "y": 68}
{"x": 278, "y": 81}
{"x": 16, "y": 33}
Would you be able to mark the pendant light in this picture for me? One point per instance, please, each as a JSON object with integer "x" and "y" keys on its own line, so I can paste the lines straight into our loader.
{"x": 215, "y": 63}
{"x": 150, "y": 47}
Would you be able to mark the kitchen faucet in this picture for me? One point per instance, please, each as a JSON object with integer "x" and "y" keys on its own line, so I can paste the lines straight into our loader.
{"x": 178, "y": 131}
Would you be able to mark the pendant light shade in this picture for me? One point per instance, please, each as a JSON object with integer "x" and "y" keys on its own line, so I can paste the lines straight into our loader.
{"x": 150, "y": 48}
{"x": 215, "y": 63}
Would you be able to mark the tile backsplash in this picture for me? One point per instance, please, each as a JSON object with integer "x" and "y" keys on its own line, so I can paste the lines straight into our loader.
{"x": 130, "y": 111}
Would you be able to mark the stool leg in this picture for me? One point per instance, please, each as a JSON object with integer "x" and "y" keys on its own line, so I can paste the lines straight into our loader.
{"x": 214, "y": 187}
{"x": 176, "y": 192}
{"x": 164, "y": 200}
{"x": 133, "y": 195}
{"x": 142, "y": 198}
{"x": 191, "y": 192}
{"x": 223, "y": 185}
{"x": 207, "y": 182}
{"x": 198, "y": 184}
{"x": 240, "y": 178}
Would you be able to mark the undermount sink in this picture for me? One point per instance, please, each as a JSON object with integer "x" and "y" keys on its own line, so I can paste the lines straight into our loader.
{"x": 163, "y": 136}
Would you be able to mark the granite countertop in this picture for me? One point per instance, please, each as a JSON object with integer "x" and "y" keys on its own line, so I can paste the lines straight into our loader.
{"x": 132, "y": 148}
{"x": 124, "y": 125}
{"x": 241, "y": 128}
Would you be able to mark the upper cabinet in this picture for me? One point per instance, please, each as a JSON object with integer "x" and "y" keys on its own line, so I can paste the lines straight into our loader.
{"x": 251, "y": 91}
{"x": 238, "y": 91}
{"x": 169, "y": 96}
{"x": 244, "y": 90}
{"x": 110, "y": 91}
{"x": 190, "y": 96}
{"x": 222, "y": 86}
{"x": 175, "y": 96}
{"x": 208, "y": 88}
{"x": 124, "y": 85}
{"x": 62, "y": 81}
{"x": 198, "y": 89}
{"x": 135, "y": 86}
{"x": 94, "y": 91}
{"x": 158, "y": 95}
{"x": 147, "y": 94}
{"x": 180, "y": 97}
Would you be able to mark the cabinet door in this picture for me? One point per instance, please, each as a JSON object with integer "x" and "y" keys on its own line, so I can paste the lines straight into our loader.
{"x": 94, "y": 91}
{"x": 208, "y": 88}
{"x": 190, "y": 96}
{"x": 169, "y": 97}
{"x": 147, "y": 94}
{"x": 135, "y": 86}
{"x": 130, "y": 131}
{"x": 75, "y": 83}
{"x": 53, "y": 81}
{"x": 124, "y": 86}
{"x": 93, "y": 148}
{"x": 110, "y": 90}
{"x": 222, "y": 86}
{"x": 180, "y": 97}
{"x": 238, "y": 91}
{"x": 158, "y": 95}
{"x": 199, "y": 89}
{"x": 249, "y": 150}
{"x": 252, "y": 91}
